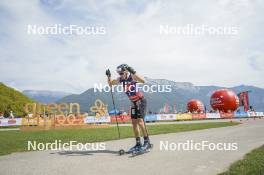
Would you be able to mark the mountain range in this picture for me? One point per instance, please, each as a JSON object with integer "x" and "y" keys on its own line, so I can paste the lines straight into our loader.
{"x": 45, "y": 96}
{"x": 181, "y": 93}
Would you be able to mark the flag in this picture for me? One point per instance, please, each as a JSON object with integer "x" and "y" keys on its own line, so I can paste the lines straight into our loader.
{"x": 243, "y": 100}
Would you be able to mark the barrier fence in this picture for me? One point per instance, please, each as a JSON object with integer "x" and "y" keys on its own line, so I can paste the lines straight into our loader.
{"x": 61, "y": 120}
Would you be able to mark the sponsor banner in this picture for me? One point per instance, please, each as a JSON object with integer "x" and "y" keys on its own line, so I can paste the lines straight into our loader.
{"x": 186, "y": 116}
{"x": 120, "y": 118}
{"x": 260, "y": 114}
{"x": 29, "y": 121}
{"x": 212, "y": 115}
{"x": 227, "y": 115}
{"x": 241, "y": 114}
{"x": 255, "y": 114}
{"x": 252, "y": 114}
{"x": 150, "y": 118}
{"x": 11, "y": 122}
{"x": 198, "y": 116}
{"x": 94, "y": 119}
{"x": 162, "y": 117}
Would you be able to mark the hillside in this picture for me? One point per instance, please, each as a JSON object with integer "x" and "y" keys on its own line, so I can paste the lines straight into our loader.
{"x": 181, "y": 93}
{"x": 12, "y": 100}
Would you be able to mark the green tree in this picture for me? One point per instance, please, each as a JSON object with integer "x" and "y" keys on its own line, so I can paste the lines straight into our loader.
{"x": 12, "y": 100}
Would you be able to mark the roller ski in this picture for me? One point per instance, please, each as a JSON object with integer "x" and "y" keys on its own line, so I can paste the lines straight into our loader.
{"x": 137, "y": 149}
{"x": 131, "y": 150}
{"x": 143, "y": 149}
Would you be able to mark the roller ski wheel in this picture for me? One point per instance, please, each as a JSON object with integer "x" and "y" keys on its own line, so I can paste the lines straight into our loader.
{"x": 121, "y": 152}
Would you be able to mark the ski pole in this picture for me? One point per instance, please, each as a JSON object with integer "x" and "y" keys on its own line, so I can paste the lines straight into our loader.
{"x": 143, "y": 118}
{"x": 113, "y": 101}
{"x": 145, "y": 126}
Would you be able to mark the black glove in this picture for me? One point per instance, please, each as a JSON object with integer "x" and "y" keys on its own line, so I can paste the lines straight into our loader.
{"x": 108, "y": 73}
{"x": 131, "y": 70}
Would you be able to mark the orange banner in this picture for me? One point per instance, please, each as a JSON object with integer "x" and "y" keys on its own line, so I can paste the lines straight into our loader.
{"x": 198, "y": 116}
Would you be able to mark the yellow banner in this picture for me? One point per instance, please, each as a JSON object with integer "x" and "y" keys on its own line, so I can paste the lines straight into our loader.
{"x": 183, "y": 116}
{"x": 38, "y": 121}
{"x": 57, "y": 120}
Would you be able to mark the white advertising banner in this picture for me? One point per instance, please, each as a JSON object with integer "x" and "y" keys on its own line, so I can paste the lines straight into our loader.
{"x": 11, "y": 122}
{"x": 260, "y": 114}
{"x": 212, "y": 115}
{"x": 93, "y": 119}
{"x": 252, "y": 114}
{"x": 166, "y": 117}
{"x": 256, "y": 114}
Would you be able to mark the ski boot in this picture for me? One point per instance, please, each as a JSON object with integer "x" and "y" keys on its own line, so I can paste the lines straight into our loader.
{"x": 147, "y": 145}
{"x": 135, "y": 148}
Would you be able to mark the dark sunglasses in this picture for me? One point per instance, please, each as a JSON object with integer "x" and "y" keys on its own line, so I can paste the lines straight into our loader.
{"x": 121, "y": 73}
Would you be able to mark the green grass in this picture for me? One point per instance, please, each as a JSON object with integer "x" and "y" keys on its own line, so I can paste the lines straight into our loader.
{"x": 251, "y": 164}
{"x": 16, "y": 141}
{"x": 3, "y": 127}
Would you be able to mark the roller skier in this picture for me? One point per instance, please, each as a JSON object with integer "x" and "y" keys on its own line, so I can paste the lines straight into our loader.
{"x": 128, "y": 78}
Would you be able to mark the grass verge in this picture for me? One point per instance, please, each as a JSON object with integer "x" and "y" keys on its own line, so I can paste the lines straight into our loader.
{"x": 16, "y": 141}
{"x": 251, "y": 164}
{"x": 7, "y": 127}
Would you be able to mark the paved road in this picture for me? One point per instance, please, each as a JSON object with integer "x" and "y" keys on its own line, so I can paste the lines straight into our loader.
{"x": 248, "y": 136}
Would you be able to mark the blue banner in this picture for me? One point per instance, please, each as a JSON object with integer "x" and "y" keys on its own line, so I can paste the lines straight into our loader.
{"x": 150, "y": 118}
{"x": 241, "y": 114}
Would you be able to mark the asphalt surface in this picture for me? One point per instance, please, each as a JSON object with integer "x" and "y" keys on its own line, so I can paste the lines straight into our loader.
{"x": 247, "y": 136}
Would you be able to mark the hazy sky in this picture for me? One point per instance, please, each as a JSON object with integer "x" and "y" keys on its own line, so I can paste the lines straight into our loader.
{"x": 74, "y": 63}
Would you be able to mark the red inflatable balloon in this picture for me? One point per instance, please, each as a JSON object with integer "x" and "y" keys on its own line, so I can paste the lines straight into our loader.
{"x": 195, "y": 106}
{"x": 224, "y": 100}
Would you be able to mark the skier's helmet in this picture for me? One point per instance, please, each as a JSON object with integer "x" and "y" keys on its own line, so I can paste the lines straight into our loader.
{"x": 121, "y": 68}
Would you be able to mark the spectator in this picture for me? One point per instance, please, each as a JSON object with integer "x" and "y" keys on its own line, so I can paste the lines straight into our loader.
{"x": 1, "y": 115}
{"x": 11, "y": 115}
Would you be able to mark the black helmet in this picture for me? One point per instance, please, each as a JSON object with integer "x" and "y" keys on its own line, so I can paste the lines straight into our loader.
{"x": 121, "y": 68}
